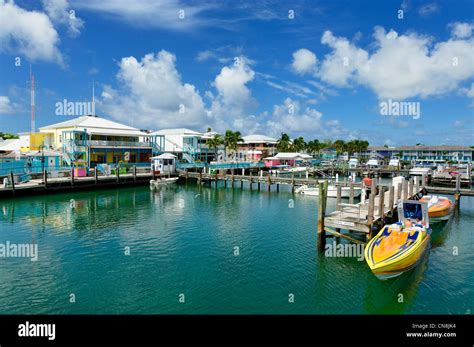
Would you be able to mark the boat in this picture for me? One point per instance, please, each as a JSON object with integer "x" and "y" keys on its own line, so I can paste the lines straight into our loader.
{"x": 420, "y": 171}
{"x": 287, "y": 169}
{"x": 399, "y": 247}
{"x": 438, "y": 206}
{"x": 332, "y": 191}
{"x": 163, "y": 182}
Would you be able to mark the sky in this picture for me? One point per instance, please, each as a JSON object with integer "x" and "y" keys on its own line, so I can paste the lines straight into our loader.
{"x": 317, "y": 69}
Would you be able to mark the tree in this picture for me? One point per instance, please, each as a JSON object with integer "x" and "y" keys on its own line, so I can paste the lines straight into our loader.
{"x": 314, "y": 146}
{"x": 215, "y": 142}
{"x": 232, "y": 139}
{"x": 340, "y": 146}
{"x": 8, "y": 136}
{"x": 299, "y": 144}
{"x": 284, "y": 143}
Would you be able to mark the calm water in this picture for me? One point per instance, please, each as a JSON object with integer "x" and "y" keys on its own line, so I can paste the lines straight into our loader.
{"x": 182, "y": 240}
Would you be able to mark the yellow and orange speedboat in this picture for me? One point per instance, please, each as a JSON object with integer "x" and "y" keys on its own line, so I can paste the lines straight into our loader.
{"x": 399, "y": 247}
{"x": 438, "y": 206}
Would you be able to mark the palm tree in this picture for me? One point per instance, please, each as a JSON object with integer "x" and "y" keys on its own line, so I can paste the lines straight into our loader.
{"x": 284, "y": 143}
{"x": 215, "y": 142}
{"x": 231, "y": 140}
{"x": 340, "y": 146}
{"x": 299, "y": 144}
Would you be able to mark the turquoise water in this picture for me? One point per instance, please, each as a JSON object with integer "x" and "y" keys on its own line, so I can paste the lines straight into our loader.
{"x": 182, "y": 241}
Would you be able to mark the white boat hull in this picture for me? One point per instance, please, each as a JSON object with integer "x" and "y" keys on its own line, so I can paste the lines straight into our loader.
{"x": 332, "y": 191}
{"x": 157, "y": 184}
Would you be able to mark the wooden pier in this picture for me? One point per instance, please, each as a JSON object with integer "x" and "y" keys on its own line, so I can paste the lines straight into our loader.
{"x": 369, "y": 216}
{"x": 46, "y": 185}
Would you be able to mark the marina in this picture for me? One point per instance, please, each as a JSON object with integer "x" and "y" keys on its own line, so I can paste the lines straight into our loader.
{"x": 168, "y": 231}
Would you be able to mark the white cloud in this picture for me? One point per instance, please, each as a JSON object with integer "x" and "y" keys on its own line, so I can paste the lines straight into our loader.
{"x": 461, "y": 30}
{"x": 6, "y": 106}
{"x": 304, "y": 61}
{"x": 150, "y": 13}
{"x": 59, "y": 12}
{"x": 428, "y": 9}
{"x": 28, "y": 33}
{"x": 152, "y": 94}
{"x": 401, "y": 66}
{"x": 234, "y": 102}
{"x": 291, "y": 117}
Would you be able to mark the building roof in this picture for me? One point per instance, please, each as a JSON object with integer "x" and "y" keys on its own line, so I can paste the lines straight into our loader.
{"x": 12, "y": 145}
{"x": 164, "y": 156}
{"x": 259, "y": 139}
{"x": 381, "y": 148}
{"x": 177, "y": 131}
{"x": 289, "y": 156}
{"x": 435, "y": 148}
{"x": 96, "y": 125}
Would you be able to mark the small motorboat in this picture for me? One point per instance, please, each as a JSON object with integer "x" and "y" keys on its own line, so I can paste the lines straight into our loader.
{"x": 332, "y": 191}
{"x": 438, "y": 206}
{"x": 399, "y": 247}
{"x": 163, "y": 182}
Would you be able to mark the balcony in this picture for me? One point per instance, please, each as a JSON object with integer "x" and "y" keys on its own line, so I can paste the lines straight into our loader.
{"x": 119, "y": 144}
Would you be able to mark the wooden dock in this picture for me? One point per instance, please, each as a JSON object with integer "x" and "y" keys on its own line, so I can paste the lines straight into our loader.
{"x": 368, "y": 216}
{"x": 46, "y": 185}
{"x": 262, "y": 178}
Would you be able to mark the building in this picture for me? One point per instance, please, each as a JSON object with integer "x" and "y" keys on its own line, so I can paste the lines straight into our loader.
{"x": 182, "y": 142}
{"x": 427, "y": 154}
{"x": 98, "y": 140}
{"x": 258, "y": 146}
{"x": 286, "y": 158}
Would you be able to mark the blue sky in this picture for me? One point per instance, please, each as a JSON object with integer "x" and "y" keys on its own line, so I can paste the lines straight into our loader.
{"x": 246, "y": 65}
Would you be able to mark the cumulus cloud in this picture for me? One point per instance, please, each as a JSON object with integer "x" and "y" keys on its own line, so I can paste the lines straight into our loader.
{"x": 304, "y": 61}
{"x": 153, "y": 95}
{"x": 60, "y": 12}
{"x": 6, "y": 106}
{"x": 461, "y": 30}
{"x": 28, "y": 33}
{"x": 234, "y": 101}
{"x": 291, "y": 117}
{"x": 400, "y": 66}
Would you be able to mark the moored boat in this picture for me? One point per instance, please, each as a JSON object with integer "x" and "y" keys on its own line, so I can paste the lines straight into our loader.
{"x": 332, "y": 191}
{"x": 399, "y": 247}
{"x": 438, "y": 206}
{"x": 159, "y": 183}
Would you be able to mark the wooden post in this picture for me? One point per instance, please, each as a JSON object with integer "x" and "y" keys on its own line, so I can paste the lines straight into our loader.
{"x": 269, "y": 183}
{"x": 117, "y": 173}
{"x": 405, "y": 190}
{"x": 457, "y": 193}
{"x": 370, "y": 213}
{"x": 278, "y": 187}
{"x": 410, "y": 188}
{"x": 242, "y": 183}
{"x": 135, "y": 173}
{"x": 200, "y": 177}
{"x": 338, "y": 197}
{"x": 232, "y": 179}
{"x": 250, "y": 180}
{"x": 423, "y": 181}
{"x": 72, "y": 176}
{"x": 351, "y": 193}
{"x": 399, "y": 191}
{"x": 381, "y": 202}
{"x": 45, "y": 179}
{"x": 96, "y": 175}
{"x": 321, "y": 216}
{"x": 373, "y": 187}
{"x": 292, "y": 183}
{"x": 12, "y": 181}
{"x": 391, "y": 197}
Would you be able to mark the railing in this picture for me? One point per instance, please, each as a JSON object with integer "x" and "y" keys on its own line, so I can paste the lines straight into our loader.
{"x": 238, "y": 165}
{"x": 120, "y": 143}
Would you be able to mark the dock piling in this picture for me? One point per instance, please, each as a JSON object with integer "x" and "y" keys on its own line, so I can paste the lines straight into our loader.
{"x": 12, "y": 181}
{"x": 72, "y": 177}
{"x": 323, "y": 188}
{"x": 45, "y": 179}
{"x": 96, "y": 173}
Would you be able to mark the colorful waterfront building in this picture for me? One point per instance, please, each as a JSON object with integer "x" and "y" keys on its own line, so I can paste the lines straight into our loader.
{"x": 182, "y": 142}
{"x": 258, "y": 146}
{"x": 98, "y": 140}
